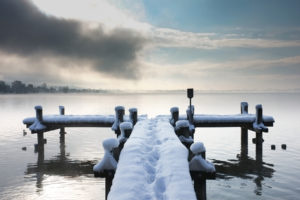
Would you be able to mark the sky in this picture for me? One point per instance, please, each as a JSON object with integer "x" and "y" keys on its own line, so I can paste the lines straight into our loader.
{"x": 152, "y": 44}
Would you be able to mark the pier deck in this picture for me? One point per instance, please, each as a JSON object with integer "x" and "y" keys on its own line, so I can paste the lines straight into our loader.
{"x": 153, "y": 164}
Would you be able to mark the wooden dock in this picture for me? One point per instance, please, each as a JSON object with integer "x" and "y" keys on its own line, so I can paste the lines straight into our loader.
{"x": 183, "y": 126}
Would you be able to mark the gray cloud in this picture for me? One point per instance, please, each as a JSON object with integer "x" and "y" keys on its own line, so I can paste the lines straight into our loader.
{"x": 26, "y": 31}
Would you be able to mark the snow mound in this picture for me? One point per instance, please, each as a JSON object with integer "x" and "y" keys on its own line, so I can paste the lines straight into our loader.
{"x": 197, "y": 147}
{"x": 199, "y": 164}
{"x": 174, "y": 109}
{"x": 108, "y": 162}
{"x": 110, "y": 144}
{"x": 37, "y": 126}
{"x": 125, "y": 126}
{"x": 182, "y": 124}
{"x": 132, "y": 110}
{"x": 117, "y": 108}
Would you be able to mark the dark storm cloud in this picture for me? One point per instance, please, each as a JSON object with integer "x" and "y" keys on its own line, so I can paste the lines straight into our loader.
{"x": 26, "y": 31}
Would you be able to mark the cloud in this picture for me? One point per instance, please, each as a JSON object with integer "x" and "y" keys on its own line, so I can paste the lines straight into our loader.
{"x": 26, "y": 31}
{"x": 164, "y": 37}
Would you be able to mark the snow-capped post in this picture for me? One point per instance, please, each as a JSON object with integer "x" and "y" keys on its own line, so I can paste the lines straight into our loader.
{"x": 107, "y": 166}
{"x": 120, "y": 111}
{"x": 182, "y": 130}
{"x": 200, "y": 169}
{"x": 62, "y": 131}
{"x": 133, "y": 115}
{"x": 126, "y": 129}
{"x": 244, "y": 131}
{"x": 175, "y": 115}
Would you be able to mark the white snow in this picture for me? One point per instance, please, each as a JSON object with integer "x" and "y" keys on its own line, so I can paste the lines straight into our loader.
{"x": 245, "y": 118}
{"x": 37, "y": 126}
{"x": 108, "y": 162}
{"x": 174, "y": 109}
{"x": 132, "y": 110}
{"x": 197, "y": 147}
{"x": 125, "y": 126}
{"x": 198, "y": 163}
{"x": 153, "y": 165}
{"x": 182, "y": 124}
{"x": 117, "y": 108}
{"x": 38, "y": 107}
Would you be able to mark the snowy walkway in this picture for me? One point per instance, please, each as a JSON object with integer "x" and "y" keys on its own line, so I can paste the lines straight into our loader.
{"x": 153, "y": 165}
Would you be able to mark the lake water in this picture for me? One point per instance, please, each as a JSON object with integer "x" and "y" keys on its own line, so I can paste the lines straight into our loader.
{"x": 65, "y": 169}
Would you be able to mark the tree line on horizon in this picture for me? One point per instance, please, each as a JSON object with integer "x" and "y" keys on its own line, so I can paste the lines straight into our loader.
{"x": 18, "y": 87}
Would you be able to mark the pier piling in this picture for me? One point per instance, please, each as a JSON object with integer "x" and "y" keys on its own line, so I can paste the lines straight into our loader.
{"x": 133, "y": 115}
{"x": 259, "y": 133}
{"x": 40, "y": 135}
{"x": 62, "y": 131}
{"x": 244, "y": 131}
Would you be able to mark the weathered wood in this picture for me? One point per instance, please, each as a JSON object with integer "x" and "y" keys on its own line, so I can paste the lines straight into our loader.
{"x": 199, "y": 179}
{"x": 109, "y": 176}
{"x": 174, "y": 115}
{"x": 244, "y": 131}
{"x": 62, "y": 131}
{"x": 120, "y": 111}
{"x": 133, "y": 115}
{"x": 259, "y": 136}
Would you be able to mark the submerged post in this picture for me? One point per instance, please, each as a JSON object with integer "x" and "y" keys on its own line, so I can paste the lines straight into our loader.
{"x": 259, "y": 133}
{"x": 133, "y": 115}
{"x": 62, "y": 131}
{"x": 244, "y": 131}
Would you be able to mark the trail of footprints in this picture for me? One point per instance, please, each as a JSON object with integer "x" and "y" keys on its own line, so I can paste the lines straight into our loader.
{"x": 151, "y": 162}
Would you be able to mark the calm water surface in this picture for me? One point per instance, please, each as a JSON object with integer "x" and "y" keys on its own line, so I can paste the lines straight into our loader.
{"x": 65, "y": 169}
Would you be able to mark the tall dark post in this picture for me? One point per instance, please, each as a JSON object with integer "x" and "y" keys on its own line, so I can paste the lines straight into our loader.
{"x": 190, "y": 95}
{"x": 62, "y": 131}
{"x": 133, "y": 115}
{"x": 244, "y": 131}
{"x": 120, "y": 111}
{"x": 200, "y": 184}
{"x": 108, "y": 182}
{"x": 174, "y": 115}
{"x": 259, "y": 133}
{"x": 40, "y": 135}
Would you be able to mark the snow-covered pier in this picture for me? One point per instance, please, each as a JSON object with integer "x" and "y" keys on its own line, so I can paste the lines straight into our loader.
{"x": 154, "y": 158}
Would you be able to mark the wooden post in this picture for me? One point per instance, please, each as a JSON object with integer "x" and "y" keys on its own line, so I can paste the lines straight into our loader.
{"x": 62, "y": 131}
{"x": 200, "y": 184}
{"x": 175, "y": 115}
{"x": 40, "y": 135}
{"x": 120, "y": 111}
{"x": 108, "y": 182}
{"x": 133, "y": 115}
{"x": 259, "y": 134}
{"x": 244, "y": 131}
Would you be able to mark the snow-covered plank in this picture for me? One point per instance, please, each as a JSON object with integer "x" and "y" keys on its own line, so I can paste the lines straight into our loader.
{"x": 229, "y": 120}
{"x": 153, "y": 165}
{"x": 74, "y": 120}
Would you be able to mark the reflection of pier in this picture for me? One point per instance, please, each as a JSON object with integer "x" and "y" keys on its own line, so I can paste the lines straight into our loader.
{"x": 246, "y": 168}
{"x": 59, "y": 165}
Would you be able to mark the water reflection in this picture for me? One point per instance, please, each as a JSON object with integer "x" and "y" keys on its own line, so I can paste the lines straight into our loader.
{"x": 60, "y": 165}
{"x": 245, "y": 167}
